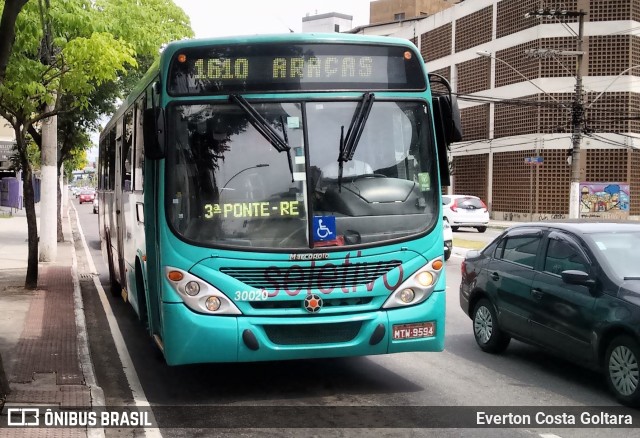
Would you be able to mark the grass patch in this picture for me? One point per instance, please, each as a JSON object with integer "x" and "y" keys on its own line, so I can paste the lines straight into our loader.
{"x": 470, "y": 244}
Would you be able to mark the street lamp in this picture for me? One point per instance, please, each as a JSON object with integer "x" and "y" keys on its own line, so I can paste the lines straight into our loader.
{"x": 490, "y": 55}
{"x": 610, "y": 84}
{"x": 243, "y": 170}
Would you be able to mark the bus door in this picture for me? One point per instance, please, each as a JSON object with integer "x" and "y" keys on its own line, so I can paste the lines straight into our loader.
{"x": 126, "y": 221}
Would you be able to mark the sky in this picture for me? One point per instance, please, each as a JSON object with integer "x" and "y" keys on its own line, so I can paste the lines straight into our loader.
{"x": 211, "y": 18}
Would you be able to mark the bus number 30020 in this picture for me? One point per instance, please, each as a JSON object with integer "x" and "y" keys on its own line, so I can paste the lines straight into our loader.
{"x": 251, "y": 295}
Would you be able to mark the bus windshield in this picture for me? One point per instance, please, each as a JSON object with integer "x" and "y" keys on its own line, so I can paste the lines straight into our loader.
{"x": 228, "y": 185}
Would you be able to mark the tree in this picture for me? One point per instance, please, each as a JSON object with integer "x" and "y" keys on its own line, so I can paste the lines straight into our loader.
{"x": 78, "y": 65}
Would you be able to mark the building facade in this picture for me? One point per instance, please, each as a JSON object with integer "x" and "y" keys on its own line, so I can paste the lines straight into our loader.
{"x": 384, "y": 11}
{"x": 514, "y": 66}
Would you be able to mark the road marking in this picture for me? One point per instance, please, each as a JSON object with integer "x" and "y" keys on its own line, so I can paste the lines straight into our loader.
{"x": 549, "y": 435}
{"x": 139, "y": 397}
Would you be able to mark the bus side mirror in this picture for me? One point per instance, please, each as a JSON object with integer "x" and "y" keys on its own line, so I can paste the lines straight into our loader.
{"x": 446, "y": 118}
{"x": 450, "y": 114}
{"x": 153, "y": 127}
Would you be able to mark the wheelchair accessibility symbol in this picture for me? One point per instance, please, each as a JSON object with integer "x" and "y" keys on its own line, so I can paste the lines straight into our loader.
{"x": 324, "y": 228}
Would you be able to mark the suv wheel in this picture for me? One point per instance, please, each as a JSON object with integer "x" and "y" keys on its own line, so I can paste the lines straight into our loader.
{"x": 481, "y": 229}
{"x": 489, "y": 336}
{"x": 622, "y": 366}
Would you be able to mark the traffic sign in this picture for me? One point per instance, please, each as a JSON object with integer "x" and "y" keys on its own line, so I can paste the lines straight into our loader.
{"x": 534, "y": 160}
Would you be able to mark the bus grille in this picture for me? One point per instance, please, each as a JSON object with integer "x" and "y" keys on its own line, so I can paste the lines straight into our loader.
{"x": 311, "y": 277}
{"x": 297, "y": 304}
{"x": 312, "y": 333}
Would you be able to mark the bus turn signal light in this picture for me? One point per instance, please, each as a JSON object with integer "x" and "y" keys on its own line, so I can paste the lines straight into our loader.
{"x": 175, "y": 275}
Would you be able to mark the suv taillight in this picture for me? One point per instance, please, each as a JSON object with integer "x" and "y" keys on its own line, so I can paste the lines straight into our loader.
{"x": 484, "y": 205}
{"x": 454, "y": 206}
{"x": 463, "y": 267}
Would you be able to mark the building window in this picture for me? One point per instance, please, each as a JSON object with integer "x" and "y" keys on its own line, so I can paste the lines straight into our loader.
{"x": 398, "y": 17}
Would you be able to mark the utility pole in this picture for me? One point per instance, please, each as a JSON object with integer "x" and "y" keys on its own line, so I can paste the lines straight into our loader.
{"x": 577, "y": 118}
{"x": 577, "y": 106}
{"x": 48, "y": 238}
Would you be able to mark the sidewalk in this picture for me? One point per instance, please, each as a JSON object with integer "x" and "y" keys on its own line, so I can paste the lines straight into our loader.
{"x": 42, "y": 332}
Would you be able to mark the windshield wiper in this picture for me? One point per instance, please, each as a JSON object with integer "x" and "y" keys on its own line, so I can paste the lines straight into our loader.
{"x": 265, "y": 128}
{"x": 349, "y": 143}
{"x": 631, "y": 278}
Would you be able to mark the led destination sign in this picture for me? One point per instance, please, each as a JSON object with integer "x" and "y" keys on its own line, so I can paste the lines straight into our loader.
{"x": 284, "y": 69}
{"x": 303, "y": 67}
{"x": 263, "y": 209}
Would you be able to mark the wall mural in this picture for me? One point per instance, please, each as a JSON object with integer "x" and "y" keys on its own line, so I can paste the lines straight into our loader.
{"x": 604, "y": 200}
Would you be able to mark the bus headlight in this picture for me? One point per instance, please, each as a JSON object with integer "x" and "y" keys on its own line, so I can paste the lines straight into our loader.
{"x": 192, "y": 288}
{"x": 199, "y": 295}
{"x": 212, "y": 303}
{"x": 407, "y": 295}
{"x": 417, "y": 288}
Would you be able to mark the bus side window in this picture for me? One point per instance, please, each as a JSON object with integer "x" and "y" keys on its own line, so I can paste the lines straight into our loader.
{"x": 127, "y": 151}
{"x": 138, "y": 172}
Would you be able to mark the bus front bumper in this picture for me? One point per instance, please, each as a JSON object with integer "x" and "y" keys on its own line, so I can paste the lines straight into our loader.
{"x": 191, "y": 337}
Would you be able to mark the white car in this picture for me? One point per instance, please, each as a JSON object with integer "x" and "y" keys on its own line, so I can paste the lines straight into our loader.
{"x": 448, "y": 239}
{"x": 465, "y": 211}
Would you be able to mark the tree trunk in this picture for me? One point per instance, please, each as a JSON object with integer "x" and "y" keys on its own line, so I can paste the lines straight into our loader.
{"x": 31, "y": 281}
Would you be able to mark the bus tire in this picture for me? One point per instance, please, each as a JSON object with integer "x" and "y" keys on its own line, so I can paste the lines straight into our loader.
{"x": 114, "y": 285}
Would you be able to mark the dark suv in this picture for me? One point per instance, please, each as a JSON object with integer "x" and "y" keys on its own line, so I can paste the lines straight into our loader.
{"x": 572, "y": 288}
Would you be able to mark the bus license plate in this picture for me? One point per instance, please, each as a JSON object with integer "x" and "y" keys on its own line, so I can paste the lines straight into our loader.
{"x": 412, "y": 331}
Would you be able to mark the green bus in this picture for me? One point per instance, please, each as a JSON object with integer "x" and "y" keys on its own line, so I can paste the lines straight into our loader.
{"x": 278, "y": 197}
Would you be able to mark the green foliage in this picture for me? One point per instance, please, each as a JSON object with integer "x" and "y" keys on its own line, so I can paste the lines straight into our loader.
{"x": 97, "y": 51}
{"x": 148, "y": 26}
{"x": 77, "y": 160}
{"x": 82, "y": 77}
{"x": 33, "y": 156}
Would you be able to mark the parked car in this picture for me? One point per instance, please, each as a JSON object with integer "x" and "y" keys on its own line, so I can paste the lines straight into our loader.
{"x": 465, "y": 211}
{"x": 572, "y": 288}
{"x": 95, "y": 205}
{"x": 448, "y": 239}
{"x": 86, "y": 196}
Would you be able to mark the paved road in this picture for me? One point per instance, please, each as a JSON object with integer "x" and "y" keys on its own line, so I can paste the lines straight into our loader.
{"x": 462, "y": 375}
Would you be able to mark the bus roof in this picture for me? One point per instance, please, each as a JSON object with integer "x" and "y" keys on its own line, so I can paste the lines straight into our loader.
{"x": 286, "y": 37}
